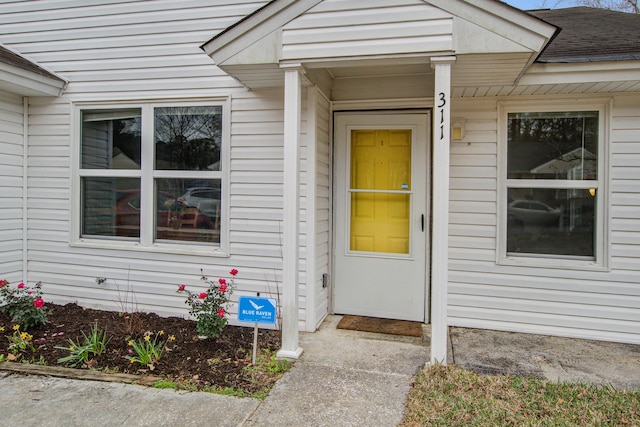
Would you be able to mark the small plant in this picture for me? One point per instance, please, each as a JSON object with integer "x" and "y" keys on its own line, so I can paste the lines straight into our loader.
{"x": 23, "y": 305}
{"x": 20, "y": 342}
{"x": 164, "y": 384}
{"x": 148, "y": 351}
{"x": 82, "y": 353}
{"x": 265, "y": 371}
{"x": 230, "y": 391}
{"x": 129, "y": 310}
{"x": 267, "y": 363}
{"x": 209, "y": 308}
{"x": 41, "y": 361}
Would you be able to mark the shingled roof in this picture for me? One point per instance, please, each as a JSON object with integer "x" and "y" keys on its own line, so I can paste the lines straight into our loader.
{"x": 589, "y": 34}
{"x": 11, "y": 58}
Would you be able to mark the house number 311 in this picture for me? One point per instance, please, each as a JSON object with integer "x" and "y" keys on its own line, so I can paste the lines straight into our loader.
{"x": 441, "y": 103}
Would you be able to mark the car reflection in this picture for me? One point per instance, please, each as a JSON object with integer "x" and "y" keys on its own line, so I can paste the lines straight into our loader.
{"x": 206, "y": 199}
{"x": 532, "y": 212}
{"x": 128, "y": 213}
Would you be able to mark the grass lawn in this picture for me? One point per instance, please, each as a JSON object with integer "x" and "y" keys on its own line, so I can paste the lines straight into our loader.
{"x": 452, "y": 396}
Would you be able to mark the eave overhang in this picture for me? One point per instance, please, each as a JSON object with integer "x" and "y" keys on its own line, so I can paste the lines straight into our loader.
{"x": 251, "y": 51}
{"x": 24, "y": 77}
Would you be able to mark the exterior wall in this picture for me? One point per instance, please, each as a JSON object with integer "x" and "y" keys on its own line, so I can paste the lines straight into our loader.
{"x": 141, "y": 51}
{"x": 357, "y": 29}
{"x": 323, "y": 206}
{"x": 602, "y": 305}
{"x": 11, "y": 195}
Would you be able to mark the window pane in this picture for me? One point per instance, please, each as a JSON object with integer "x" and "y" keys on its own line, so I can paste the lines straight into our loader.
{"x": 380, "y": 222}
{"x": 110, "y": 139}
{"x": 381, "y": 159}
{"x": 188, "y": 138}
{"x": 188, "y": 210}
{"x": 551, "y": 221}
{"x": 553, "y": 145}
{"x": 111, "y": 207}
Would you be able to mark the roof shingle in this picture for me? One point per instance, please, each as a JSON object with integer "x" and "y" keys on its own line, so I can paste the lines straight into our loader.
{"x": 590, "y": 34}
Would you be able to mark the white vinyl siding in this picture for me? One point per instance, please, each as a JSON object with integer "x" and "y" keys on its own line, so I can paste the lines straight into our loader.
{"x": 11, "y": 176}
{"x": 323, "y": 206}
{"x": 141, "y": 51}
{"x": 361, "y": 29}
{"x": 584, "y": 303}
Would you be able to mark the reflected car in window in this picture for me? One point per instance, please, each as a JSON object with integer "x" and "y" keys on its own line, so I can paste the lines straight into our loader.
{"x": 532, "y": 212}
{"x": 128, "y": 213}
{"x": 206, "y": 199}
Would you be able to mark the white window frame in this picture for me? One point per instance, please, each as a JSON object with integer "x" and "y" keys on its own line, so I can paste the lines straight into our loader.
{"x": 147, "y": 175}
{"x": 601, "y": 244}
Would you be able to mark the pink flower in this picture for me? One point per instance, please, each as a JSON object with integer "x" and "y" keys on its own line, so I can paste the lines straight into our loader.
{"x": 21, "y": 285}
{"x": 3, "y": 283}
{"x": 203, "y": 295}
{"x": 221, "y": 312}
{"x": 38, "y": 303}
{"x": 223, "y": 288}
{"x": 181, "y": 288}
{"x": 222, "y": 281}
{"x": 233, "y": 272}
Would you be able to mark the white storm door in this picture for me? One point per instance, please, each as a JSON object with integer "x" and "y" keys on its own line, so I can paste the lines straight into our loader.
{"x": 381, "y": 228}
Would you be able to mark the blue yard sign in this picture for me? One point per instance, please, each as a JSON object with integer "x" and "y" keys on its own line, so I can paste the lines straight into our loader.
{"x": 257, "y": 310}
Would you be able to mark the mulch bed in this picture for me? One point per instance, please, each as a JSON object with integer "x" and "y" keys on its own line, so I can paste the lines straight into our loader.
{"x": 193, "y": 362}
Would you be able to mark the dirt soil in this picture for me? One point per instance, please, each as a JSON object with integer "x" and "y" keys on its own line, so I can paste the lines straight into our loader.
{"x": 193, "y": 362}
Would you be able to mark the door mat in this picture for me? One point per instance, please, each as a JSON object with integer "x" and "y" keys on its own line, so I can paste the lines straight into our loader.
{"x": 381, "y": 326}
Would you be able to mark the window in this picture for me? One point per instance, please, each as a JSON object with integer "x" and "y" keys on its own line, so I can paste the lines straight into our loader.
{"x": 151, "y": 173}
{"x": 554, "y": 202}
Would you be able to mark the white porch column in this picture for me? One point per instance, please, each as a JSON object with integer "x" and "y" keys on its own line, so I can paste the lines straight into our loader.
{"x": 291, "y": 222}
{"x": 440, "y": 226}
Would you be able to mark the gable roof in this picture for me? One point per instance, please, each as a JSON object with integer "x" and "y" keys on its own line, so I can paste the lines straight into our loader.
{"x": 508, "y": 22}
{"x": 325, "y": 34}
{"x": 590, "y": 34}
{"x": 24, "y": 77}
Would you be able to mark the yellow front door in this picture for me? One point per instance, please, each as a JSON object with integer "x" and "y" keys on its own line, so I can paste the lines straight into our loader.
{"x": 380, "y": 190}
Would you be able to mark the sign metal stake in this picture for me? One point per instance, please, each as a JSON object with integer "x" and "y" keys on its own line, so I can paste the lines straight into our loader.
{"x": 255, "y": 344}
{"x": 255, "y": 339}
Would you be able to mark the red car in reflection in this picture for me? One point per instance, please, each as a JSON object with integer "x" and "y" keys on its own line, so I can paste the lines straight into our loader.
{"x": 128, "y": 215}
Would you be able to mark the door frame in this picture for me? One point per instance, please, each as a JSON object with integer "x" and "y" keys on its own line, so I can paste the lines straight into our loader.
{"x": 427, "y": 114}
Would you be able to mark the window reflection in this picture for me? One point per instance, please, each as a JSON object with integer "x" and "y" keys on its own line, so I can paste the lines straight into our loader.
{"x": 188, "y": 210}
{"x": 110, "y": 139}
{"x": 551, "y": 221}
{"x": 111, "y": 207}
{"x": 553, "y": 145}
{"x": 188, "y": 138}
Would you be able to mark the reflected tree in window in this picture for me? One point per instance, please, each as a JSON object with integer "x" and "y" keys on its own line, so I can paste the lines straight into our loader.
{"x": 553, "y": 145}
{"x": 188, "y": 138}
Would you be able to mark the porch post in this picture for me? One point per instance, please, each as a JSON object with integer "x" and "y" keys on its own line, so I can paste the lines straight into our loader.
{"x": 290, "y": 229}
{"x": 440, "y": 225}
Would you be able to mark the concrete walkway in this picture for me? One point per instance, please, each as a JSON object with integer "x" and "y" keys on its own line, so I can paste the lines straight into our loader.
{"x": 343, "y": 378}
